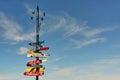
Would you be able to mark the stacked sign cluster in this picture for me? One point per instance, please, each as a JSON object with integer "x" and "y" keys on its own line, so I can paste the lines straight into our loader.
{"x": 35, "y": 67}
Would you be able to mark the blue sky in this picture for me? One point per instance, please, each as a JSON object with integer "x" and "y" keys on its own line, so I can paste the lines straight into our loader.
{"x": 83, "y": 36}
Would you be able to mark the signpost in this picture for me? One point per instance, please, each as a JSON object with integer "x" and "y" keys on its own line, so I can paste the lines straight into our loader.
{"x": 34, "y": 67}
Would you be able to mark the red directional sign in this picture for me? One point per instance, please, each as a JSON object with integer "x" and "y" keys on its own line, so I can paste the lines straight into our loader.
{"x": 44, "y": 48}
{"x": 34, "y": 62}
{"x": 34, "y": 73}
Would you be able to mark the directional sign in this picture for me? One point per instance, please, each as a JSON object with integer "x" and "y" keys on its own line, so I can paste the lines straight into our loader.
{"x": 34, "y": 69}
{"x": 30, "y": 51}
{"x": 41, "y": 42}
{"x": 40, "y": 55}
{"x": 37, "y": 45}
{"x": 44, "y": 48}
{"x": 33, "y": 51}
{"x": 35, "y": 62}
{"x": 34, "y": 73}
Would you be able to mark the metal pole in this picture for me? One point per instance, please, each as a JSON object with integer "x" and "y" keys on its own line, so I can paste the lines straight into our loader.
{"x": 37, "y": 36}
{"x": 37, "y": 26}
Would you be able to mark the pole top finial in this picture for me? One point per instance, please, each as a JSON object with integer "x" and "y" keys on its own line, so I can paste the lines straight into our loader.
{"x": 37, "y": 7}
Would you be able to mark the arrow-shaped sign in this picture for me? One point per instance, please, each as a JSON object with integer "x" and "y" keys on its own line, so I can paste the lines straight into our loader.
{"x": 41, "y": 69}
{"x": 39, "y": 55}
{"x": 44, "y": 48}
{"x": 37, "y": 45}
{"x": 33, "y": 73}
{"x": 35, "y": 62}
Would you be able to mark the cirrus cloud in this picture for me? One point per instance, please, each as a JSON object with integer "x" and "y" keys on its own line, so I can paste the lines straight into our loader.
{"x": 12, "y": 30}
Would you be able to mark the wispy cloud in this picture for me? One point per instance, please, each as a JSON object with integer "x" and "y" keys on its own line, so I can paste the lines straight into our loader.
{"x": 13, "y": 76}
{"x": 22, "y": 50}
{"x": 102, "y": 69}
{"x": 65, "y": 23}
{"x": 78, "y": 73}
{"x": 106, "y": 65}
{"x": 9, "y": 77}
{"x": 82, "y": 43}
{"x": 70, "y": 29}
{"x": 58, "y": 59}
{"x": 115, "y": 46}
{"x": 12, "y": 30}
{"x": 29, "y": 8}
{"x": 93, "y": 32}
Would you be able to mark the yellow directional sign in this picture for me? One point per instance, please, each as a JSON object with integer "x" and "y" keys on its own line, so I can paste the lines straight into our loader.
{"x": 30, "y": 51}
{"x": 34, "y": 69}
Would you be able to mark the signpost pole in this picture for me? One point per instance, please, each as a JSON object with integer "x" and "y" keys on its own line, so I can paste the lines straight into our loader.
{"x": 37, "y": 36}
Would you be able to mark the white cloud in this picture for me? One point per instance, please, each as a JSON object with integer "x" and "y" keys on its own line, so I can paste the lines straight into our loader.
{"x": 78, "y": 73}
{"x": 7, "y": 77}
{"x": 106, "y": 64}
{"x": 53, "y": 23}
{"x": 68, "y": 26}
{"x": 114, "y": 46}
{"x": 94, "y": 32}
{"x": 29, "y": 9}
{"x": 10, "y": 76}
{"x": 69, "y": 29}
{"x": 64, "y": 23}
{"x": 12, "y": 30}
{"x": 22, "y": 50}
{"x": 13, "y": 76}
{"x": 74, "y": 29}
{"x": 59, "y": 58}
{"x": 80, "y": 44}
{"x": 66, "y": 73}
{"x": 103, "y": 69}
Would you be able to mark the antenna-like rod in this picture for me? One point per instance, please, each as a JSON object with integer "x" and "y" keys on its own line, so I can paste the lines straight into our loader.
{"x": 37, "y": 36}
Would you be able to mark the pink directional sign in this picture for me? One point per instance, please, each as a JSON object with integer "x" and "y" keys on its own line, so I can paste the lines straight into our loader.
{"x": 34, "y": 73}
